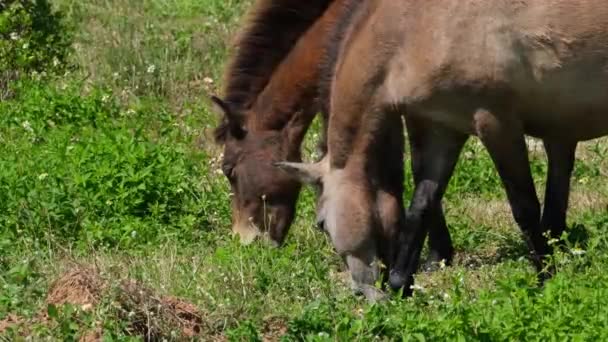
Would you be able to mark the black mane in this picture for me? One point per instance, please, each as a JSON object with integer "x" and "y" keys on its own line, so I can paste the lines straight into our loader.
{"x": 271, "y": 32}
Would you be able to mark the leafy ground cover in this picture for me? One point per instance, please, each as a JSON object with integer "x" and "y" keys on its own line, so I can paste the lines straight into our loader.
{"x": 108, "y": 174}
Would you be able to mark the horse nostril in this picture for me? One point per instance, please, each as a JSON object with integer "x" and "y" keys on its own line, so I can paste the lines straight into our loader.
{"x": 321, "y": 224}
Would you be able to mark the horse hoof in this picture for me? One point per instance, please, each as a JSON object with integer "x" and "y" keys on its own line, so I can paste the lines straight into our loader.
{"x": 397, "y": 280}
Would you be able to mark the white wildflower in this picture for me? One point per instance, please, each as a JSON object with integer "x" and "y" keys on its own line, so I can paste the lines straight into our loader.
{"x": 151, "y": 69}
{"x": 27, "y": 126}
{"x": 14, "y": 36}
{"x": 416, "y": 287}
{"x": 578, "y": 251}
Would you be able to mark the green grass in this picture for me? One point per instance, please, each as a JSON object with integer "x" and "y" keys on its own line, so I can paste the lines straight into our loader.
{"x": 112, "y": 166}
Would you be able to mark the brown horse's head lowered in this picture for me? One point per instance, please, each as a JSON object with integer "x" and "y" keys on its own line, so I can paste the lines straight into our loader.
{"x": 270, "y": 101}
{"x": 262, "y": 198}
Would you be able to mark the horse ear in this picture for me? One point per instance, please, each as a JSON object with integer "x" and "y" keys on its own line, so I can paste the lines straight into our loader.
{"x": 234, "y": 120}
{"x": 295, "y": 130}
{"x": 220, "y": 107}
{"x": 304, "y": 172}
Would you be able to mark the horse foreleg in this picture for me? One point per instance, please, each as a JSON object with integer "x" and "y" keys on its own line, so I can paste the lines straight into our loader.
{"x": 557, "y": 190}
{"x": 440, "y": 242}
{"x": 437, "y": 150}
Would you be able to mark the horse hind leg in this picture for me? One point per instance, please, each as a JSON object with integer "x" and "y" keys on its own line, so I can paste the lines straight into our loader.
{"x": 504, "y": 139}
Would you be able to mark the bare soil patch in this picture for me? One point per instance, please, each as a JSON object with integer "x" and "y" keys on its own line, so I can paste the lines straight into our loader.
{"x": 149, "y": 315}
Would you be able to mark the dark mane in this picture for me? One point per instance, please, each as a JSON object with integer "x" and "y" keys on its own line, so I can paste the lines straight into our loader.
{"x": 273, "y": 28}
{"x": 332, "y": 52}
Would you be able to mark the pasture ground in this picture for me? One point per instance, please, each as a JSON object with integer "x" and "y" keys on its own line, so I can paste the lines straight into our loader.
{"x": 108, "y": 175}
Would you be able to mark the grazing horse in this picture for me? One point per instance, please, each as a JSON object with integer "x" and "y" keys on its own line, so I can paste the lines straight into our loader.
{"x": 270, "y": 101}
{"x": 497, "y": 69}
{"x": 272, "y": 95}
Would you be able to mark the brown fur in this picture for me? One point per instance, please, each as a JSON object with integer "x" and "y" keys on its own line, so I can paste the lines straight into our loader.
{"x": 273, "y": 28}
{"x": 272, "y": 90}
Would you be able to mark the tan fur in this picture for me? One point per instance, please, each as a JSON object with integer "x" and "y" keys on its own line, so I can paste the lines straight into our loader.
{"x": 492, "y": 68}
{"x": 545, "y": 59}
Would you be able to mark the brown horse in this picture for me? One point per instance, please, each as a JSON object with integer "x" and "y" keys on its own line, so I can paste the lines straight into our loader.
{"x": 272, "y": 95}
{"x": 494, "y": 69}
{"x": 270, "y": 101}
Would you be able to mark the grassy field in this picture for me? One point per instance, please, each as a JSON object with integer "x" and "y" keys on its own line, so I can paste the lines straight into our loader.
{"x": 109, "y": 172}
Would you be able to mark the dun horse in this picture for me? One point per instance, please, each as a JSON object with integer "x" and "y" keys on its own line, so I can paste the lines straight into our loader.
{"x": 494, "y": 69}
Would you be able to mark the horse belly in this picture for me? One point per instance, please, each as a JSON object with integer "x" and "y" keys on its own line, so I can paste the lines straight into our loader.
{"x": 570, "y": 101}
{"x": 542, "y": 63}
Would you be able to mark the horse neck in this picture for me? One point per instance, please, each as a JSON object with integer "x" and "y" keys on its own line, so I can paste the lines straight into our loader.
{"x": 292, "y": 92}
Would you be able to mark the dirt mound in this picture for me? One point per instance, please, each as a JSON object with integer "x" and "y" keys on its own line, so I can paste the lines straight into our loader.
{"x": 80, "y": 286}
{"x": 148, "y": 315}
{"x": 274, "y": 329}
{"x": 153, "y": 316}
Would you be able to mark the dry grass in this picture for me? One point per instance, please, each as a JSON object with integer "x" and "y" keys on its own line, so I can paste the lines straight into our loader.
{"x": 148, "y": 49}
